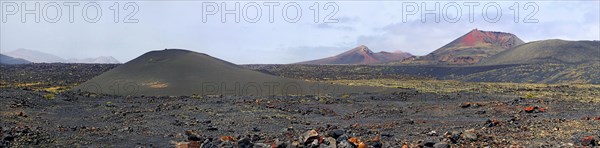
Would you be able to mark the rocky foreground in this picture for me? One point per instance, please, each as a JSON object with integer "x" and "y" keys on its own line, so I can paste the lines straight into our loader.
{"x": 33, "y": 115}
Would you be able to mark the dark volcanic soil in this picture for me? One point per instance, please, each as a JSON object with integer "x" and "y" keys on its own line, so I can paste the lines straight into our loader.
{"x": 32, "y": 117}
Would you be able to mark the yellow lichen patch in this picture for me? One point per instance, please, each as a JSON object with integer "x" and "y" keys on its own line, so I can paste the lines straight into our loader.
{"x": 49, "y": 96}
{"x": 55, "y": 89}
{"x": 156, "y": 84}
{"x": 581, "y": 92}
{"x": 4, "y": 84}
{"x": 28, "y": 84}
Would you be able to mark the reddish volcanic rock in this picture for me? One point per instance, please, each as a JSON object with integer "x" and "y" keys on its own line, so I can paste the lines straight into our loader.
{"x": 194, "y": 144}
{"x": 534, "y": 109}
{"x": 586, "y": 118}
{"x": 226, "y": 138}
{"x": 588, "y": 141}
{"x": 541, "y": 109}
{"x": 470, "y": 48}
{"x": 530, "y": 109}
{"x": 354, "y": 140}
{"x": 474, "y": 37}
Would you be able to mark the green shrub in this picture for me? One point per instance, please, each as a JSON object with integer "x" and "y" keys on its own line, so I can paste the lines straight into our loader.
{"x": 529, "y": 96}
{"x": 49, "y": 96}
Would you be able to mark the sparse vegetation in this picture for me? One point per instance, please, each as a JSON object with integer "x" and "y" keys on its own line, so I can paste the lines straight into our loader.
{"x": 49, "y": 96}
{"x": 582, "y": 92}
{"x": 529, "y": 96}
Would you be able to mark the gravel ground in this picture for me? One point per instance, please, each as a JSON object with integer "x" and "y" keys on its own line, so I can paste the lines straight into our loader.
{"x": 33, "y": 117}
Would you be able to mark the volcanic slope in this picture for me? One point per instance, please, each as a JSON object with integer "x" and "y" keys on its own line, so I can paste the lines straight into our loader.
{"x": 4, "y": 59}
{"x": 470, "y": 48}
{"x": 176, "y": 72}
{"x": 549, "y": 51}
{"x": 360, "y": 55}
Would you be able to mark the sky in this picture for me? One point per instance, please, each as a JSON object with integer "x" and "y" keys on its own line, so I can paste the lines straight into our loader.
{"x": 279, "y": 32}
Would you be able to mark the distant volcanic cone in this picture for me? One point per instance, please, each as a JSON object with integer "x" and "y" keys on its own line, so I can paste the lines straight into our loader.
{"x": 176, "y": 72}
{"x": 361, "y": 55}
{"x": 470, "y": 48}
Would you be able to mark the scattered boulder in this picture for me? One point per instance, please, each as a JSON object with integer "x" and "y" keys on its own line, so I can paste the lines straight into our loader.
{"x": 534, "y": 109}
{"x": 330, "y": 141}
{"x": 354, "y": 140}
{"x": 469, "y": 104}
{"x": 452, "y": 136}
{"x": 362, "y": 145}
{"x": 295, "y": 144}
{"x": 309, "y": 136}
{"x": 226, "y": 138}
{"x": 262, "y": 145}
{"x": 343, "y": 137}
{"x": 313, "y": 144}
{"x": 212, "y": 129}
{"x": 431, "y": 133}
{"x": 469, "y": 135}
{"x": 441, "y": 145}
{"x": 589, "y": 141}
{"x": 428, "y": 143}
{"x": 404, "y": 145}
{"x": 21, "y": 114}
{"x": 336, "y": 133}
{"x": 529, "y": 109}
{"x": 480, "y": 112}
{"x": 344, "y": 144}
{"x": 245, "y": 143}
{"x": 492, "y": 122}
{"x": 586, "y": 118}
{"x": 192, "y": 136}
{"x": 375, "y": 144}
{"x": 278, "y": 144}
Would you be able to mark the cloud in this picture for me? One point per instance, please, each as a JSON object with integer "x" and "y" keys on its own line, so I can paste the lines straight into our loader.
{"x": 334, "y": 26}
{"x": 421, "y": 38}
{"x": 348, "y": 19}
{"x": 375, "y": 24}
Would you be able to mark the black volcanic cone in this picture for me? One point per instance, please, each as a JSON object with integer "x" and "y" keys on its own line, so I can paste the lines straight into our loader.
{"x": 176, "y": 72}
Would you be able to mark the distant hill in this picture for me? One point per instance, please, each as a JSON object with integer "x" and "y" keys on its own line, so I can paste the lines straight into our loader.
{"x": 35, "y": 56}
{"x": 468, "y": 49}
{"x": 42, "y": 57}
{"x": 549, "y": 51}
{"x": 361, "y": 55}
{"x": 101, "y": 59}
{"x": 586, "y": 73}
{"x": 4, "y": 59}
{"x": 176, "y": 72}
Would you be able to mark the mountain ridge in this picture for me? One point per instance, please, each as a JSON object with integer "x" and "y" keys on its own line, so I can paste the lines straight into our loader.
{"x": 360, "y": 55}
{"x": 35, "y": 56}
